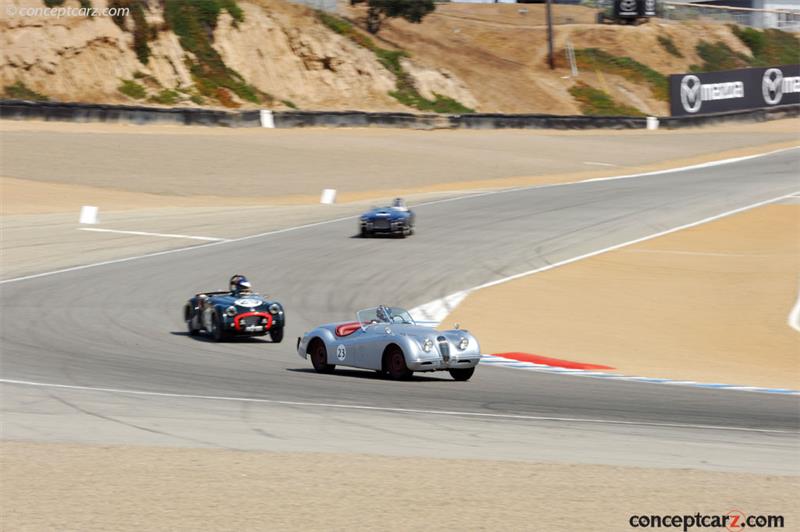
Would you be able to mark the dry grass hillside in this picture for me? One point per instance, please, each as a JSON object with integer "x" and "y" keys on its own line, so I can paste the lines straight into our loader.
{"x": 271, "y": 53}
{"x": 501, "y": 54}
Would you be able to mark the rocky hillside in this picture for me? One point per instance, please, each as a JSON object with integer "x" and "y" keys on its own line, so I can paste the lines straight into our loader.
{"x": 270, "y": 53}
{"x": 259, "y": 53}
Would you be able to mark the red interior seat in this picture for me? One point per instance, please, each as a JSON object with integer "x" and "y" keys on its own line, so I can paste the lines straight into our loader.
{"x": 346, "y": 329}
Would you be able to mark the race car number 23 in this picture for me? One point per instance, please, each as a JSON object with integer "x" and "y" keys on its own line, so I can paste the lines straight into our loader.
{"x": 341, "y": 352}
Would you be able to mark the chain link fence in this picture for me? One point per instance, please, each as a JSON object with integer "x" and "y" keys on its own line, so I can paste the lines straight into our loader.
{"x": 782, "y": 19}
{"x": 323, "y": 5}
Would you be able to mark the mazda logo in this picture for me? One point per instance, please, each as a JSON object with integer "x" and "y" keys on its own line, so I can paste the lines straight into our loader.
{"x": 690, "y": 93}
{"x": 772, "y": 86}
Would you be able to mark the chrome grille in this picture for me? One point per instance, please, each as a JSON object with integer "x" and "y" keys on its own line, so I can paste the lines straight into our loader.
{"x": 444, "y": 348}
{"x": 381, "y": 223}
{"x": 251, "y": 320}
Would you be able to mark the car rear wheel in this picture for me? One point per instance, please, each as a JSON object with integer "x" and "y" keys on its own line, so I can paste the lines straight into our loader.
{"x": 319, "y": 358}
{"x": 276, "y": 335}
{"x": 217, "y": 333}
{"x": 395, "y": 364}
{"x": 462, "y": 374}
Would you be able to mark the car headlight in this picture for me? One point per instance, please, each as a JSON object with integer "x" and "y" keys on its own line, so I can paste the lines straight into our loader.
{"x": 274, "y": 308}
{"x": 231, "y": 311}
{"x": 463, "y": 343}
{"x": 427, "y": 345}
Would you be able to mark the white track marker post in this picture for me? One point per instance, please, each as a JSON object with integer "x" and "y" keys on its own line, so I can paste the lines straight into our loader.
{"x": 328, "y": 196}
{"x": 88, "y": 214}
{"x": 652, "y": 122}
{"x": 267, "y": 120}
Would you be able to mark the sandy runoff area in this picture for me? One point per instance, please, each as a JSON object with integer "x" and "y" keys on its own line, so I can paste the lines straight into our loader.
{"x": 710, "y": 303}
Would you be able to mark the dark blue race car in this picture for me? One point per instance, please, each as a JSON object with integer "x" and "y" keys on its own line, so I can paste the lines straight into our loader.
{"x": 396, "y": 219}
{"x": 237, "y": 312}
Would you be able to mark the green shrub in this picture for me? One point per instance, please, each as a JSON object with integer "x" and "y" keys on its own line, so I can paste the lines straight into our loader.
{"x": 289, "y": 103}
{"x": 142, "y": 32}
{"x": 669, "y": 45}
{"x": 405, "y": 92}
{"x": 769, "y": 47}
{"x": 440, "y": 104}
{"x": 19, "y": 91}
{"x": 194, "y": 23}
{"x": 233, "y": 10}
{"x": 131, "y": 89}
{"x": 166, "y": 97}
{"x": 595, "y": 102}
{"x": 718, "y": 56}
{"x": 339, "y": 25}
{"x": 596, "y": 59}
{"x": 390, "y": 59}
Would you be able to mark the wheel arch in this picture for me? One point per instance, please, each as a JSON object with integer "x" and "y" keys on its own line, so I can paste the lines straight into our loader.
{"x": 313, "y": 342}
{"x": 388, "y": 349}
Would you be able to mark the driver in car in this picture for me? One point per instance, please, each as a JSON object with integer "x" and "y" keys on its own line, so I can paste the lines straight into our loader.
{"x": 383, "y": 314}
{"x": 240, "y": 286}
{"x": 399, "y": 204}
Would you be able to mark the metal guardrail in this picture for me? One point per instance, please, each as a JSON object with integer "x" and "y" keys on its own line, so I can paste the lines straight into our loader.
{"x": 79, "y": 112}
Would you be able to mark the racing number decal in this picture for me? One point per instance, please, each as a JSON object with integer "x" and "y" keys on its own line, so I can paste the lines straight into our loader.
{"x": 247, "y": 302}
{"x": 341, "y": 352}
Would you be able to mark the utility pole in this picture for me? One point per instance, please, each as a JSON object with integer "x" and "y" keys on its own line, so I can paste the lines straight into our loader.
{"x": 550, "y": 59}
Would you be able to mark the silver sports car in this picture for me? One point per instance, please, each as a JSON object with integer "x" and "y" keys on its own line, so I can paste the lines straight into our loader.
{"x": 387, "y": 340}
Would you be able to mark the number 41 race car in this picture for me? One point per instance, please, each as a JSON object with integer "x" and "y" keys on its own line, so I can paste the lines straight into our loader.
{"x": 235, "y": 313}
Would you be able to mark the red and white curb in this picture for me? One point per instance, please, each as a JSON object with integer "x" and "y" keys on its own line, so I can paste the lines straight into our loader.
{"x": 493, "y": 360}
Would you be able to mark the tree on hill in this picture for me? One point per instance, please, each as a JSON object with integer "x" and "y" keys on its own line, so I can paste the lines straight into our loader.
{"x": 378, "y": 10}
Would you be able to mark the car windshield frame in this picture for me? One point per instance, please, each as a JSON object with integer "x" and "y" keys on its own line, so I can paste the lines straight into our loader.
{"x": 397, "y": 316}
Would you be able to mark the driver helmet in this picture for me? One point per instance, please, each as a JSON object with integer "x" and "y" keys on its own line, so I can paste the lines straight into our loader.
{"x": 240, "y": 285}
{"x": 399, "y": 203}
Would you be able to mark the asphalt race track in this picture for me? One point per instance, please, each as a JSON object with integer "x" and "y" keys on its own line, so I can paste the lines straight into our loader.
{"x": 119, "y": 325}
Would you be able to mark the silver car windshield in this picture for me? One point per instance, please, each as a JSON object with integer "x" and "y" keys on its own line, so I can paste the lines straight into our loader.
{"x": 383, "y": 314}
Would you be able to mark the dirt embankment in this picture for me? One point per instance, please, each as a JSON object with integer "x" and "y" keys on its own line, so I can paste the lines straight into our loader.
{"x": 500, "y": 51}
{"x": 491, "y": 58}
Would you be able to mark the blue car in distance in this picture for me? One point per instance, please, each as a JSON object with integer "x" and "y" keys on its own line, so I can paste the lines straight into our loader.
{"x": 396, "y": 219}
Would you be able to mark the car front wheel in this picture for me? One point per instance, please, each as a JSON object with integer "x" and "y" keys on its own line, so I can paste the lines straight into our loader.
{"x": 276, "y": 335}
{"x": 395, "y": 364}
{"x": 217, "y": 333}
{"x": 189, "y": 319}
{"x": 462, "y": 374}
{"x": 319, "y": 358}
